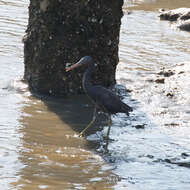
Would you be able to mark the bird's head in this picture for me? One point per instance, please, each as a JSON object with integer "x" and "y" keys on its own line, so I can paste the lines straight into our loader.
{"x": 83, "y": 61}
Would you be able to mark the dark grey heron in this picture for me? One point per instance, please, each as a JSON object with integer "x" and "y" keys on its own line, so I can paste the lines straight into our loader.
{"x": 103, "y": 98}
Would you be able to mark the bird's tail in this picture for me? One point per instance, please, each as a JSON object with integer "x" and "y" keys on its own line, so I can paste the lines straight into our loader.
{"x": 126, "y": 109}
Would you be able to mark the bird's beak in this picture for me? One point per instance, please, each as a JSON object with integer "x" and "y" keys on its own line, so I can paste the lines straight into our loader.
{"x": 79, "y": 63}
{"x": 72, "y": 67}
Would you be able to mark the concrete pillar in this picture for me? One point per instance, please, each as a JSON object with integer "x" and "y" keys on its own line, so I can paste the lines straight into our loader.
{"x": 61, "y": 31}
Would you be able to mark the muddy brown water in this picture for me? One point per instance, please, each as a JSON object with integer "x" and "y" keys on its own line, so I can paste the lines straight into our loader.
{"x": 39, "y": 146}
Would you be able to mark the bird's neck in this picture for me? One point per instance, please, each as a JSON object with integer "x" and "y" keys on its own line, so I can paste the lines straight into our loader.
{"x": 87, "y": 77}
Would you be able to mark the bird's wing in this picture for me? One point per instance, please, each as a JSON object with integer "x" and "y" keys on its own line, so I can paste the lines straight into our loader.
{"x": 109, "y": 101}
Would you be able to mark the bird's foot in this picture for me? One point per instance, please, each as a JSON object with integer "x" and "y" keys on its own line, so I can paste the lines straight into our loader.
{"x": 81, "y": 134}
{"x": 107, "y": 138}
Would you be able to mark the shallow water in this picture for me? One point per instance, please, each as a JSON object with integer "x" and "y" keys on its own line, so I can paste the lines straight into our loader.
{"x": 39, "y": 146}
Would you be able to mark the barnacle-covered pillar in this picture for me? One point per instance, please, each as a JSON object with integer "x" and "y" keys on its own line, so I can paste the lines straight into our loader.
{"x": 61, "y": 31}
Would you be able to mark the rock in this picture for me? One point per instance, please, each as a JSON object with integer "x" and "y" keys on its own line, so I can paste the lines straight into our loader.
{"x": 181, "y": 15}
{"x": 173, "y": 15}
{"x": 185, "y": 25}
{"x": 166, "y": 73}
{"x": 185, "y": 16}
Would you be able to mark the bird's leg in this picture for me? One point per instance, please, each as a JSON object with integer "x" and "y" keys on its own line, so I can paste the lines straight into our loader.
{"x": 109, "y": 127}
{"x": 89, "y": 125}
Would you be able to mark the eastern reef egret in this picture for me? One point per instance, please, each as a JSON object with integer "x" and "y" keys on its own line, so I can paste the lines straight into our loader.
{"x": 103, "y": 98}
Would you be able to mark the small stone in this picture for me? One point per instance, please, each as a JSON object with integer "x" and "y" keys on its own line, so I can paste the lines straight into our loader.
{"x": 150, "y": 156}
{"x": 185, "y": 154}
{"x": 162, "y": 10}
{"x": 140, "y": 126}
{"x": 161, "y": 81}
{"x": 169, "y": 94}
